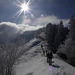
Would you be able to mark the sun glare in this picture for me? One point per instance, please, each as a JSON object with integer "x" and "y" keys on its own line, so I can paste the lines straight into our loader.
{"x": 24, "y": 7}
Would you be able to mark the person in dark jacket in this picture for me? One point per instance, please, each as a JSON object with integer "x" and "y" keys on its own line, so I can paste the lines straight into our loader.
{"x": 49, "y": 58}
{"x": 46, "y": 52}
{"x": 43, "y": 51}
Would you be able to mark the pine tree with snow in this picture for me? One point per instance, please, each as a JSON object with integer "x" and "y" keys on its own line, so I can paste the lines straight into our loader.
{"x": 72, "y": 27}
{"x": 59, "y": 36}
{"x": 69, "y": 47}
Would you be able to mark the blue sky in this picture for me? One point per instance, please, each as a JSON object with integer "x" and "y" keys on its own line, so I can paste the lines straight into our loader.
{"x": 60, "y": 8}
{"x": 40, "y": 14}
{"x": 39, "y": 8}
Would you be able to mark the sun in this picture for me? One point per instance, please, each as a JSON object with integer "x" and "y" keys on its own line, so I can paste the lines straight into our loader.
{"x": 24, "y": 7}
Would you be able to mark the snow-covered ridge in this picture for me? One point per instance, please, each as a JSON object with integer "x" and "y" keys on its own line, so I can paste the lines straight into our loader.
{"x": 35, "y": 64}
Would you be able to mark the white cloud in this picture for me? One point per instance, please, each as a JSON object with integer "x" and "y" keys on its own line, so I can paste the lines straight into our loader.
{"x": 49, "y": 19}
{"x": 36, "y": 24}
{"x": 25, "y": 20}
{"x": 44, "y": 20}
{"x": 9, "y": 31}
{"x": 23, "y": 27}
{"x": 20, "y": 27}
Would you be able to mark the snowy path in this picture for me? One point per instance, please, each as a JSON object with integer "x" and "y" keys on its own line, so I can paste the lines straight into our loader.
{"x": 37, "y": 65}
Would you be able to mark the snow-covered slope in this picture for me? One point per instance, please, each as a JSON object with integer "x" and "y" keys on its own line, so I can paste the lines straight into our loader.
{"x": 35, "y": 64}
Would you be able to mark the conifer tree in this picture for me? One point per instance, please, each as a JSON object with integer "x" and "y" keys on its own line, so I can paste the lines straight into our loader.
{"x": 59, "y": 36}
{"x": 69, "y": 46}
{"x": 72, "y": 27}
{"x": 51, "y": 31}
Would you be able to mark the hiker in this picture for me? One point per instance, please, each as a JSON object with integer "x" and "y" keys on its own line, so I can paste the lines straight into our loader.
{"x": 42, "y": 46}
{"x": 49, "y": 57}
{"x": 43, "y": 49}
{"x": 46, "y": 52}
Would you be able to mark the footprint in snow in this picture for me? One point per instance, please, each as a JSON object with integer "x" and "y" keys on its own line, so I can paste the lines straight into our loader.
{"x": 30, "y": 73}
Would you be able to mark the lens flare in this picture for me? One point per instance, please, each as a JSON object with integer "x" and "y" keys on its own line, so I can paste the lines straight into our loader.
{"x": 50, "y": 69}
{"x": 24, "y": 8}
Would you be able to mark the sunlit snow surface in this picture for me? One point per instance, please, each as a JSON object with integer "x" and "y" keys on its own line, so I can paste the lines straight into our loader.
{"x": 35, "y": 64}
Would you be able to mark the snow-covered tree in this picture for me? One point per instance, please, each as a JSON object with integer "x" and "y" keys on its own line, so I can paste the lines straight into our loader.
{"x": 69, "y": 47}
{"x": 72, "y": 27}
{"x": 61, "y": 35}
{"x": 9, "y": 54}
{"x": 51, "y": 31}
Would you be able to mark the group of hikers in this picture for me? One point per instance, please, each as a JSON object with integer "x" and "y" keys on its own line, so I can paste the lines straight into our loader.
{"x": 48, "y": 54}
